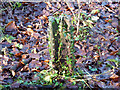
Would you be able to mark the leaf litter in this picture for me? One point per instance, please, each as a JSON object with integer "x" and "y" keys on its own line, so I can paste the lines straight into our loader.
{"x": 25, "y": 50}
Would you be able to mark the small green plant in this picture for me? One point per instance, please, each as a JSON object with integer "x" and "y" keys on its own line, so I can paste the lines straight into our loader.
{"x": 92, "y": 69}
{"x": 116, "y": 61}
{"x": 9, "y": 38}
{"x": 61, "y": 48}
{"x": 1, "y": 86}
{"x": 6, "y": 37}
{"x": 13, "y": 5}
{"x": 20, "y": 46}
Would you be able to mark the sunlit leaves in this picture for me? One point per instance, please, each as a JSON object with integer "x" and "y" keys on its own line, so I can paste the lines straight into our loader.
{"x": 108, "y": 20}
{"x": 14, "y": 5}
{"x": 18, "y": 4}
{"x": 116, "y": 61}
{"x": 1, "y": 86}
{"x": 92, "y": 69}
{"x": 57, "y": 83}
{"x": 47, "y": 78}
{"x": 9, "y": 38}
{"x": 20, "y": 81}
{"x": 58, "y": 20}
{"x": 20, "y": 46}
{"x": 89, "y": 21}
{"x": 77, "y": 38}
{"x": 94, "y": 18}
{"x": 95, "y": 11}
{"x": 114, "y": 77}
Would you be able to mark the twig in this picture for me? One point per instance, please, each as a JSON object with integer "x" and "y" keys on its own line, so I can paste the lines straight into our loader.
{"x": 78, "y": 16}
{"x": 44, "y": 50}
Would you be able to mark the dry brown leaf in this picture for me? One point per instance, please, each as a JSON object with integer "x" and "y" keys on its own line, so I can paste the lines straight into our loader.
{"x": 32, "y": 55}
{"x": 115, "y": 85}
{"x": 36, "y": 35}
{"x": 91, "y": 48}
{"x": 115, "y": 22}
{"x": 109, "y": 20}
{"x": 29, "y": 26}
{"x": 113, "y": 52}
{"x": 96, "y": 57}
{"x": 18, "y": 54}
{"x": 24, "y": 56}
{"x": 115, "y": 77}
{"x": 10, "y": 26}
{"x": 47, "y": 61}
{"x": 35, "y": 70}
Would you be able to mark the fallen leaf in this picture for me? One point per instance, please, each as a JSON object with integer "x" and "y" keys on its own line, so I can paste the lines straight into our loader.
{"x": 115, "y": 78}
{"x": 96, "y": 57}
{"x": 115, "y": 22}
{"x": 108, "y": 20}
{"x": 29, "y": 26}
{"x": 35, "y": 70}
{"x": 13, "y": 73}
{"x": 10, "y": 26}
{"x": 47, "y": 61}
{"x": 101, "y": 84}
{"x": 18, "y": 54}
{"x": 32, "y": 55}
{"x": 45, "y": 17}
{"x": 114, "y": 52}
{"x": 95, "y": 11}
{"x": 24, "y": 56}
{"x": 94, "y": 18}
{"x": 115, "y": 85}
{"x": 15, "y": 85}
{"x": 36, "y": 35}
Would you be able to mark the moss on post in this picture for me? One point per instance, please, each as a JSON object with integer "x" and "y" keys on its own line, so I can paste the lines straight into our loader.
{"x": 61, "y": 44}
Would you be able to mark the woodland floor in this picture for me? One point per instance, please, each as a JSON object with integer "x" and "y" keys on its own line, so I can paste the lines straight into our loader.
{"x": 25, "y": 39}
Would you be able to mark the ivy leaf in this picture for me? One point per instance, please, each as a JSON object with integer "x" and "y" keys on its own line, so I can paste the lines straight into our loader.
{"x": 47, "y": 78}
{"x": 71, "y": 28}
{"x": 114, "y": 60}
{"x": 18, "y": 4}
{"x": 90, "y": 25}
{"x": 57, "y": 83}
{"x": 92, "y": 69}
{"x": 9, "y": 38}
{"x": 89, "y": 21}
{"x": 94, "y": 18}
{"x": 26, "y": 83}
{"x": 20, "y": 46}
{"x": 77, "y": 38}
{"x": 20, "y": 81}
{"x": 57, "y": 19}
{"x": 65, "y": 34}
{"x": 95, "y": 11}
{"x": 1, "y": 86}
{"x": 73, "y": 21}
